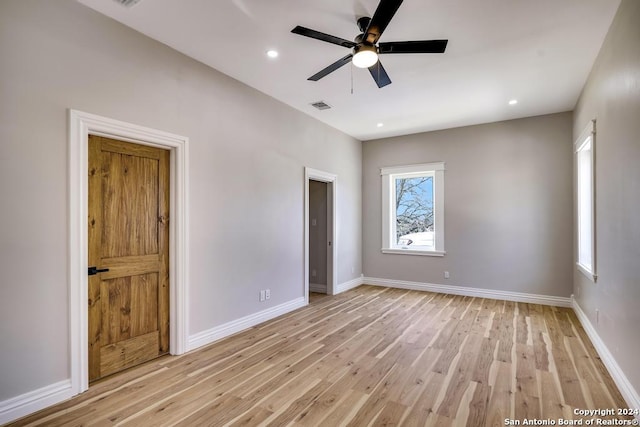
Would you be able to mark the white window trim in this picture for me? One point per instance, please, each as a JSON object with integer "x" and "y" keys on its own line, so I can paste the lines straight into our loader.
{"x": 387, "y": 173}
{"x": 588, "y": 133}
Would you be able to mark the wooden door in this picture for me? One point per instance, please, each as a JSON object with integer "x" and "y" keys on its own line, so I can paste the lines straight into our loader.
{"x": 129, "y": 236}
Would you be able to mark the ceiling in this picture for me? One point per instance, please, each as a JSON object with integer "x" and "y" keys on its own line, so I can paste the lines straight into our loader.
{"x": 536, "y": 51}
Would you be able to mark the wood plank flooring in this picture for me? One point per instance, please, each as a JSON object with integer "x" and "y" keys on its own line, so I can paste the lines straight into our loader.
{"x": 370, "y": 356}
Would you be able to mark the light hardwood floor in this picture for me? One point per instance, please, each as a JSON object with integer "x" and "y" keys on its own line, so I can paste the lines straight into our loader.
{"x": 370, "y": 356}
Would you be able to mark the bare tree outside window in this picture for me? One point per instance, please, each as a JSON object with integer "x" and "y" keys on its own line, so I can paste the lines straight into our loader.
{"x": 414, "y": 210}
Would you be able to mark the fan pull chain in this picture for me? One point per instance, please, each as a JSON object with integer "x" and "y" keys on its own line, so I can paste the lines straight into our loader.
{"x": 351, "y": 68}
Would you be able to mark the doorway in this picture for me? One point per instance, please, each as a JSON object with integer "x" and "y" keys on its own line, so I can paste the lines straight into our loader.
{"x": 81, "y": 125}
{"x": 128, "y": 254}
{"x": 319, "y": 241}
{"x": 320, "y": 232}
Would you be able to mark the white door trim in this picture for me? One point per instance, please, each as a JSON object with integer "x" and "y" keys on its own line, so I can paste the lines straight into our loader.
{"x": 327, "y": 177}
{"x": 82, "y": 124}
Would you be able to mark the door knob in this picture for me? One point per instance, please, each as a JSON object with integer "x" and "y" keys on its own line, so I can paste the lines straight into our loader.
{"x": 95, "y": 270}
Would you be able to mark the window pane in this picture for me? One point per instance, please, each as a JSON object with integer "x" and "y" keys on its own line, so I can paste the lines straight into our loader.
{"x": 414, "y": 211}
{"x": 585, "y": 204}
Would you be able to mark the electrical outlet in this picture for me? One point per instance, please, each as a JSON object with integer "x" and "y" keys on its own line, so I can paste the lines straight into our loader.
{"x": 446, "y": 274}
{"x": 267, "y": 294}
{"x": 353, "y": 270}
{"x": 262, "y": 296}
{"x": 313, "y": 273}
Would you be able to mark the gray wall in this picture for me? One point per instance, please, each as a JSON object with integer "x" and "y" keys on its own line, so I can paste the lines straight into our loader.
{"x": 612, "y": 97}
{"x": 248, "y": 154}
{"x": 318, "y": 233}
{"x": 508, "y": 211}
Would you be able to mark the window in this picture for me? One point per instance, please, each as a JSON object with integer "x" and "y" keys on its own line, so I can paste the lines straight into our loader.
{"x": 585, "y": 197}
{"x": 413, "y": 209}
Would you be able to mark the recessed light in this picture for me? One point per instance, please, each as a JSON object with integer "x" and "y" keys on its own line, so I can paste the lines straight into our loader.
{"x": 272, "y": 53}
{"x": 380, "y": 125}
{"x": 513, "y": 102}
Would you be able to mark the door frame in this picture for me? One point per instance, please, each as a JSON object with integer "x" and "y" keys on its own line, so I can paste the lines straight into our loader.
{"x": 82, "y": 124}
{"x": 332, "y": 228}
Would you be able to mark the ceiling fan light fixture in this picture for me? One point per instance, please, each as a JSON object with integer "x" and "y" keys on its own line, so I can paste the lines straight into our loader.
{"x": 365, "y": 47}
{"x": 364, "y": 56}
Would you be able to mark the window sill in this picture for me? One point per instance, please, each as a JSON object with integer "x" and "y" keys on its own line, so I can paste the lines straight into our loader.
{"x": 412, "y": 252}
{"x": 587, "y": 272}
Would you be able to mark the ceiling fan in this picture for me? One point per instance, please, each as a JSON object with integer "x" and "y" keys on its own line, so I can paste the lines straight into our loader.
{"x": 366, "y": 47}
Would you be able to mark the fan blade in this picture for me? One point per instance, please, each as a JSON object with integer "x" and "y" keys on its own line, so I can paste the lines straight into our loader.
{"x": 331, "y": 68}
{"x": 307, "y": 32}
{"x": 381, "y": 18}
{"x": 379, "y": 74}
{"x": 417, "y": 46}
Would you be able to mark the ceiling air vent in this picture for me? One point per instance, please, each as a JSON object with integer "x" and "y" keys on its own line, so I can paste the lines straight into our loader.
{"x": 128, "y": 3}
{"x": 321, "y": 105}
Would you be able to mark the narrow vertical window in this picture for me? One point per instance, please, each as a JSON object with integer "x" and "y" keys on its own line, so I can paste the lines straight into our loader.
{"x": 585, "y": 197}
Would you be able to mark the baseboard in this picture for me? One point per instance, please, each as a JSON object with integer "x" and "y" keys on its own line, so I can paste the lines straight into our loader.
{"x": 33, "y": 401}
{"x": 471, "y": 292}
{"x": 627, "y": 390}
{"x": 345, "y": 286}
{"x": 316, "y": 287}
{"x": 230, "y": 328}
